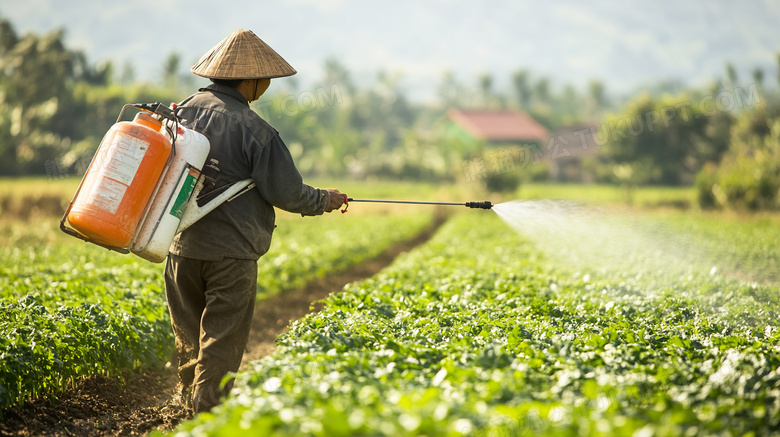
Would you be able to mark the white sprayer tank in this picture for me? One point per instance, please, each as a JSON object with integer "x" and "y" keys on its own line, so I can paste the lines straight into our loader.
{"x": 161, "y": 223}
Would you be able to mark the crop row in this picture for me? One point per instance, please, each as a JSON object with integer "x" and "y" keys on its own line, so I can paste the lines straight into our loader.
{"x": 481, "y": 332}
{"x": 304, "y": 248}
{"x": 70, "y": 310}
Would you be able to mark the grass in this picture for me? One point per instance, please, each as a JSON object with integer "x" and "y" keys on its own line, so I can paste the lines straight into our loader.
{"x": 35, "y": 186}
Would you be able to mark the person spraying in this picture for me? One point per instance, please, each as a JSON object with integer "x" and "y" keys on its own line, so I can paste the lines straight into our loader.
{"x": 211, "y": 270}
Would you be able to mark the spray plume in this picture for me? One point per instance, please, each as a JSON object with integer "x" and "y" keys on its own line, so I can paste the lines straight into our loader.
{"x": 587, "y": 237}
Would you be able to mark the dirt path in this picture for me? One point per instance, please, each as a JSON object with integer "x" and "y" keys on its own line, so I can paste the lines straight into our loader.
{"x": 102, "y": 407}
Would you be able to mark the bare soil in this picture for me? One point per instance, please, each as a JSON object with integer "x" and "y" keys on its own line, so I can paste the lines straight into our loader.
{"x": 99, "y": 406}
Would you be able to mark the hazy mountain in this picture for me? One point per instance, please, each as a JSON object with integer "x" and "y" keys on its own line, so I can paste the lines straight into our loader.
{"x": 625, "y": 44}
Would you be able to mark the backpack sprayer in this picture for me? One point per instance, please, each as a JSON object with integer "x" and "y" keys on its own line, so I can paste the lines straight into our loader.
{"x": 141, "y": 187}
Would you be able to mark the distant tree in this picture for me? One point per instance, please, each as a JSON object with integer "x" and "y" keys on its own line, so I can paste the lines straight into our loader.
{"x": 100, "y": 74}
{"x": 596, "y": 92}
{"x": 337, "y": 73}
{"x": 758, "y": 79}
{"x": 758, "y": 76}
{"x": 569, "y": 104}
{"x": 36, "y": 76}
{"x": 37, "y": 68}
{"x": 715, "y": 87}
{"x": 542, "y": 91}
{"x": 8, "y": 38}
{"x": 731, "y": 75}
{"x": 171, "y": 67}
{"x": 660, "y": 141}
{"x": 55, "y": 105}
{"x": 485, "y": 90}
{"x": 128, "y": 74}
{"x": 384, "y": 109}
{"x": 748, "y": 176}
{"x": 520, "y": 83}
{"x": 597, "y": 95}
{"x": 450, "y": 92}
{"x": 778, "y": 68}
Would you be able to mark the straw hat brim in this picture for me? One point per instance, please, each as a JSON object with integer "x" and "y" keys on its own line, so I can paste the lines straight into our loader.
{"x": 242, "y": 55}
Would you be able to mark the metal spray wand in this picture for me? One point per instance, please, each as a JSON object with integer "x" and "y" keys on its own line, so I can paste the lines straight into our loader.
{"x": 483, "y": 205}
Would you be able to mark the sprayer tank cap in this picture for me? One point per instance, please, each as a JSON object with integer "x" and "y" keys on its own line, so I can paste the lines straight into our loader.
{"x": 145, "y": 119}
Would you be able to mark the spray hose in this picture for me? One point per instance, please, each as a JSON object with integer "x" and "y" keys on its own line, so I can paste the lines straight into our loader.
{"x": 482, "y": 205}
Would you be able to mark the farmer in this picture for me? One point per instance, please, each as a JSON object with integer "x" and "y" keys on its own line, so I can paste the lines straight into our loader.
{"x": 211, "y": 272}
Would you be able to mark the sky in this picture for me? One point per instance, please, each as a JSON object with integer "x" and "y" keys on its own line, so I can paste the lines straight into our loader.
{"x": 627, "y": 45}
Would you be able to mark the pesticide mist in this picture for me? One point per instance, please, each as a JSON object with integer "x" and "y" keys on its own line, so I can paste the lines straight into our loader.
{"x": 585, "y": 237}
{"x": 626, "y": 257}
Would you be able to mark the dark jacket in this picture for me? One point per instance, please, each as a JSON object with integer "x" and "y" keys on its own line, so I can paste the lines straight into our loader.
{"x": 243, "y": 145}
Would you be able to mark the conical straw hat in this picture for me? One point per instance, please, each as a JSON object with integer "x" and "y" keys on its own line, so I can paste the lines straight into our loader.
{"x": 242, "y": 55}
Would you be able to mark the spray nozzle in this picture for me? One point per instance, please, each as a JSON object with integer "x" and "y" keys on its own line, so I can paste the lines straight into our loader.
{"x": 484, "y": 204}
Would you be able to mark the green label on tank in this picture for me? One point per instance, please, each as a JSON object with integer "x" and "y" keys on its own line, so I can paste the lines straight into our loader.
{"x": 184, "y": 195}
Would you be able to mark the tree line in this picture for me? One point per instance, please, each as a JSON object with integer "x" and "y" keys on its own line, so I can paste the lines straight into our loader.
{"x": 723, "y": 139}
{"x": 55, "y": 106}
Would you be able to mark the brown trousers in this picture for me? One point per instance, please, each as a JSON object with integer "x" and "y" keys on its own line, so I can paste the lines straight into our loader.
{"x": 211, "y": 305}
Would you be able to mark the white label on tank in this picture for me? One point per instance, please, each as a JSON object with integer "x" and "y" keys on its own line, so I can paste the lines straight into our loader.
{"x": 117, "y": 171}
{"x": 107, "y": 195}
{"x": 124, "y": 157}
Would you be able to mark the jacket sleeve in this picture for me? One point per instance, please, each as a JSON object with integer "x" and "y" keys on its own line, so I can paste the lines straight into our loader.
{"x": 279, "y": 181}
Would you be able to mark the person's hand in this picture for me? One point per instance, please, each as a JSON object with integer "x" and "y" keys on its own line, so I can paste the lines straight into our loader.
{"x": 336, "y": 199}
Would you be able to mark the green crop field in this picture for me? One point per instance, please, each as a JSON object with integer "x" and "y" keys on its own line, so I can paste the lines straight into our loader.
{"x": 564, "y": 319}
{"x": 69, "y": 309}
{"x": 486, "y": 331}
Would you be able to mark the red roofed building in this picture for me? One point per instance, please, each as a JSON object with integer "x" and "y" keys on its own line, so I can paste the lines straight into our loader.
{"x": 499, "y": 126}
{"x": 529, "y": 143}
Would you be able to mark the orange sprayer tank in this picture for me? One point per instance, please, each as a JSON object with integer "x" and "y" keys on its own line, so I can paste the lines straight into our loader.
{"x": 120, "y": 181}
